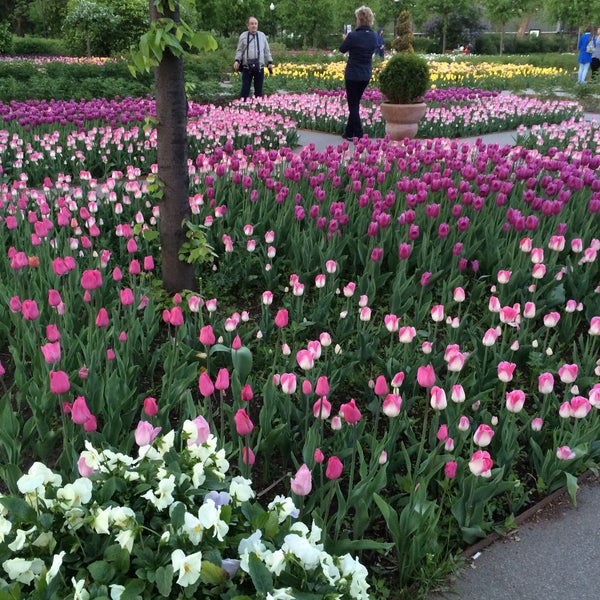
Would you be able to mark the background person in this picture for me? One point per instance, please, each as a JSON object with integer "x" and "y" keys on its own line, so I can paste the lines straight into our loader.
{"x": 380, "y": 43}
{"x": 585, "y": 58}
{"x": 251, "y": 56}
{"x": 360, "y": 45}
{"x": 595, "y": 64}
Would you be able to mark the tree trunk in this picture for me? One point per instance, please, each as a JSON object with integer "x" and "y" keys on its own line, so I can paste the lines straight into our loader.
{"x": 172, "y": 158}
{"x": 524, "y": 25}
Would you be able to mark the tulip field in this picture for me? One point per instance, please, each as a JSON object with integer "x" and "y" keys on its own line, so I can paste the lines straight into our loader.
{"x": 394, "y": 348}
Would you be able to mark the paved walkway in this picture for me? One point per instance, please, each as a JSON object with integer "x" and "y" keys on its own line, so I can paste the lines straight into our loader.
{"x": 555, "y": 552}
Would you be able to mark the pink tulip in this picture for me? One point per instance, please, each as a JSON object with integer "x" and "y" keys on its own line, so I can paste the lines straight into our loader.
{"x": 568, "y": 373}
{"x": 490, "y": 337}
{"x": 126, "y": 296}
{"x": 594, "y": 395}
{"x": 545, "y": 383}
{"x": 145, "y": 433}
{"x": 391, "y": 323}
{"x": 425, "y": 376}
{"x": 80, "y": 412}
{"x": 505, "y": 371}
{"x": 392, "y": 405}
{"x": 84, "y": 469}
{"x": 301, "y": 483}
{"x": 442, "y": 433}
{"x": 438, "y": 399}
{"x": 350, "y": 412}
{"x": 398, "y": 379}
{"x": 537, "y": 424}
{"x": 551, "y": 319}
{"x": 282, "y": 318}
{"x": 565, "y": 453}
{"x": 59, "y": 382}
{"x": 102, "y": 318}
{"x": 437, "y": 313}
{"x": 205, "y": 385}
{"x": 456, "y": 362}
{"x": 54, "y": 298}
{"x": 318, "y": 456}
{"x": 580, "y": 407}
{"x": 594, "y": 326}
{"x": 207, "y": 336}
{"x": 515, "y": 401}
{"x": 51, "y": 352}
{"x": 288, "y": 383}
{"x": 305, "y": 360}
{"x": 381, "y": 386}
{"x": 176, "y": 316}
{"x": 236, "y": 343}
{"x": 322, "y": 386}
{"x": 247, "y": 394}
{"x": 481, "y": 464}
{"x": 222, "y": 380}
{"x": 450, "y": 469}
{"x": 458, "y": 393}
{"x": 150, "y": 406}
{"x": 201, "y": 431}
{"x": 91, "y": 279}
{"x": 459, "y": 294}
{"x": 322, "y": 408}
{"x": 52, "y": 333}
{"x": 464, "y": 424}
{"x": 504, "y": 276}
{"x": 29, "y": 310}
{"x": 406, "y": 334}
{"x": 307, "y": 387}
{"x": 483, "y": 435}
{"x": 248, "y": 457}
{"x": 243, "y": 423}
{"x": 334, "y": 468}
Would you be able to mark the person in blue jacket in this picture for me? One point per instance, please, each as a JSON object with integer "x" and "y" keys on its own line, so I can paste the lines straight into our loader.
{"x": 380, "y": 43}
{"x": 360, "y": 45}
{"x": 585, "y": 58}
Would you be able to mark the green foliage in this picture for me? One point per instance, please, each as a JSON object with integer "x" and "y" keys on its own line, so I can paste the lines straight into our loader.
{"x": 403, "y": 42}
{"x": 90, "y": 22}
{"x": 404, "y": 78}
{"x": 6, "y": 38}
{"x": 39, "y": 46}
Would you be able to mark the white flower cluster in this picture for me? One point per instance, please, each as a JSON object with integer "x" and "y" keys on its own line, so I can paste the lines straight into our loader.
{"x": 193, "y": 522}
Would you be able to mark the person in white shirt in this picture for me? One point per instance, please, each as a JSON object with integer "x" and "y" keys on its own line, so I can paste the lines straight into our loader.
{"x": 251, "y": 56}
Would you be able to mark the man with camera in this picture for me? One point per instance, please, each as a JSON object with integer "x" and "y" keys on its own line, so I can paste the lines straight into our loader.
{"x": 251, "y": 56}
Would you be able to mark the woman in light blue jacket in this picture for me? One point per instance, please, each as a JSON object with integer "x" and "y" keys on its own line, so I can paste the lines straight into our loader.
{"x": 585, "y": 57}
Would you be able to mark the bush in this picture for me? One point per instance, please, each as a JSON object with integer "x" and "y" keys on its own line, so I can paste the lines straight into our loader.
{"x": 6, "y": 38}
{"x": 404, "y": 79}
{"x": 29, "y": 45}
{"x": 489, "y": 43}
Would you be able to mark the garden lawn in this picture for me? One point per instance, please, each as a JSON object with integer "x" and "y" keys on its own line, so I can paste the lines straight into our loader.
{"x": 402, "y": 338}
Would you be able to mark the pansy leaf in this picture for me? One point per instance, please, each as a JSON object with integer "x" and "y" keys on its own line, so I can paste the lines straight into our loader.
{"x": 260, "y": 575}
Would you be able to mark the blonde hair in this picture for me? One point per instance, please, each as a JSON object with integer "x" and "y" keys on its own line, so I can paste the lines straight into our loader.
{"x": 364, "y": 15}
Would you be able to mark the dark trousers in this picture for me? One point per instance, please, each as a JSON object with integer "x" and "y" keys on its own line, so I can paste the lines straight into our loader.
{"x": 247, "y": 78}
{"x": 594, "y": 67}
{"x": 354, "y": 92}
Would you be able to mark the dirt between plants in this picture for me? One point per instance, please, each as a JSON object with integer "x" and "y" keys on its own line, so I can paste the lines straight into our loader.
{"x": 549, "y": 508}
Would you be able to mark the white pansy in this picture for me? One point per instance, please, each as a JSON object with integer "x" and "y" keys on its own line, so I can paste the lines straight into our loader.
{"x": 91, "y": 456}
{"x": 101, "y": 519}
{"x": 188, "y": 567}
{"x": 198, "y": 474}
{"x": 75, "y": 494}
{"x": 352, "y": 569}
{"x": 284, "y": 507}
{"x": 54, "y": 567}
{"x": 192, "y": 528}
{"x": 122, "y": 516}
{"x": 22, "y": 570}
{"x": 281, "y": 594}
{"x": 38, "y": 475}
{"x": 5, "y": 527}
{"x": 74, "y": 518}
{"x": 210, "y": 516}
{"x": 250, "y": 544}
{"x": 79, "y": 591}
{"x": 275, "y": 561}
{"x": 20, "y": 539}
{"x": 125, "y": 539}
{"x": 308, "y": 554}
{"x": 330, "y": 571}
{"x": 46, "y": 539}
{"x": 240, "y": 489}
{"x": 162, "y": 497}
{"x": 165, "y": 443}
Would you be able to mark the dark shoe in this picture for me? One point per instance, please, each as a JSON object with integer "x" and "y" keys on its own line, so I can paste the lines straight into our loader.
{"x": 348, "y": 137}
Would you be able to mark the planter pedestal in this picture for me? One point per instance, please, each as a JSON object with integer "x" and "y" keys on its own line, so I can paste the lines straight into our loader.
{"x": 402, "y": 120}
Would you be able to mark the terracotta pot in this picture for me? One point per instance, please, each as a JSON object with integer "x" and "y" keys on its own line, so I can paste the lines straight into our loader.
{"x": 402, "y": 120}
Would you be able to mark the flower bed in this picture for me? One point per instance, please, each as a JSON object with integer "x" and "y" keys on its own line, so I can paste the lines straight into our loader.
{"x": 399, "y": 334}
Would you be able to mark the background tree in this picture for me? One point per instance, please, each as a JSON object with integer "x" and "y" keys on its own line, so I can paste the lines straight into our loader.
{"x": 162, "y": 49}
{"x": 443, "y": 9}
{"x": 403, "y": 42}
{"x": 90, "y": 20}
{"x": 311, "y": 23}
{"x": 500, "y": 12}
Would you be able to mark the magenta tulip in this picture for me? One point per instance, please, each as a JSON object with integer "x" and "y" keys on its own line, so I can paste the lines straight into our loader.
{"x": 334, "y": 468}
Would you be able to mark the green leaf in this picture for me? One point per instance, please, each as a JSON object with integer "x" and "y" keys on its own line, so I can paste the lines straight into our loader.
{"x": 178, "y": 515}
{"x": 572, "y": 487}
{"x": 211, "y": 574}
{"x": 102, "y": 571}
{"x": 260, "y": 575}
{"x": 18, "y": 508}
{"x": 164, "y": 580}
{"x": 133, "y": 590}
{"x": 242, "y": 362}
